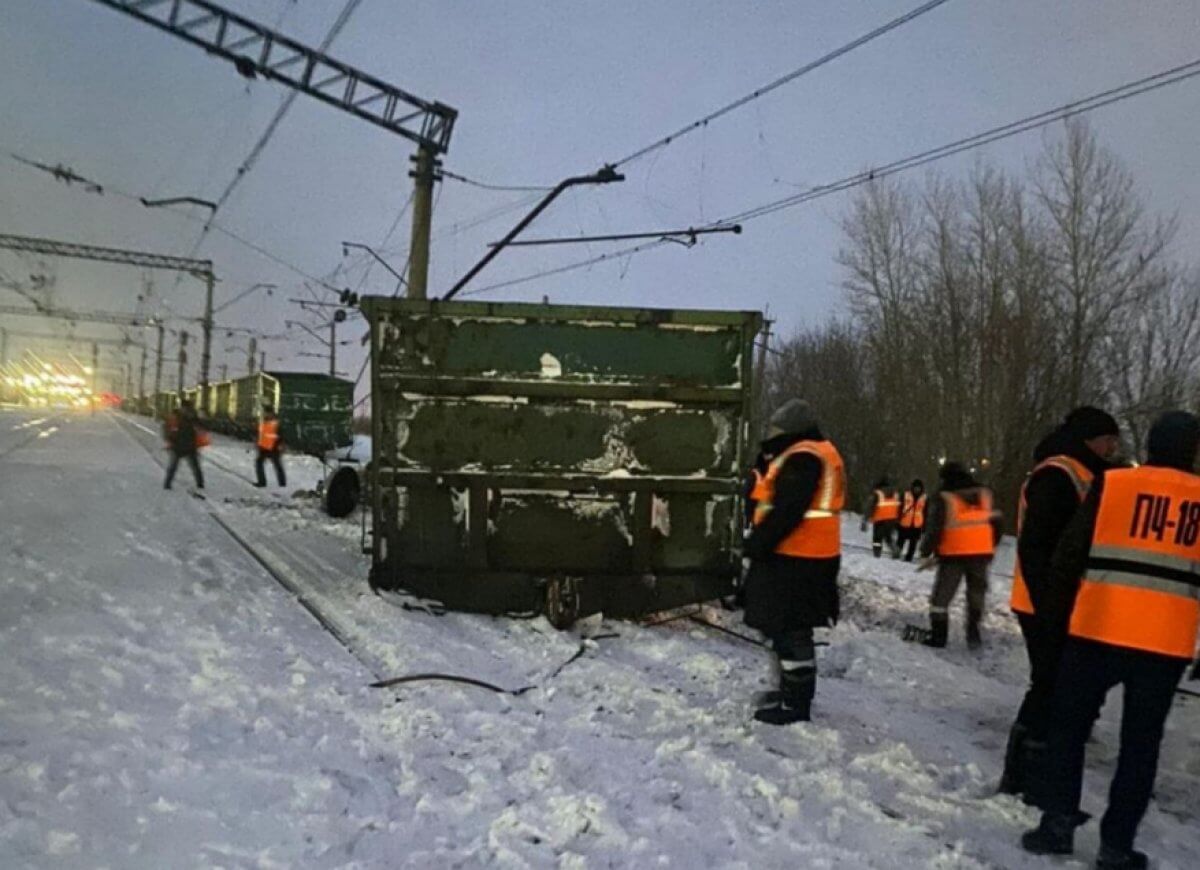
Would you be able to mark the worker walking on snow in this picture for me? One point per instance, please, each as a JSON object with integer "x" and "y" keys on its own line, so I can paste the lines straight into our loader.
{"x": 184, "y": 437}
{"x": 270, "y": 446}
{"x": 962, "y": 530}
{"x": 912, "y": 519}
{"x": 794, "y": 549}
{"x": 1067, "y": 461}
{"x": 883, "y": 511}
{"x": 1131, "y": 557}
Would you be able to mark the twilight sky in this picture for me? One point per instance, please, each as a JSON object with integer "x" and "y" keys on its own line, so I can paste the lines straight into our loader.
{"x": 546, "y": 90}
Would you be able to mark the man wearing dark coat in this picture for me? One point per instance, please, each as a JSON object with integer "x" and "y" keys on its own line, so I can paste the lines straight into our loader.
{"x": 788, "y": 595}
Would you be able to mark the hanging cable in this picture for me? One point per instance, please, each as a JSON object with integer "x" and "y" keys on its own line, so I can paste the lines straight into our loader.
{"x": 783, "y": 80}
{"x": 1175, "y": 75}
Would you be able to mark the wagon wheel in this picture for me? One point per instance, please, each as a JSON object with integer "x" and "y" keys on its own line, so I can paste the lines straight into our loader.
{"x": 561, "y": 604}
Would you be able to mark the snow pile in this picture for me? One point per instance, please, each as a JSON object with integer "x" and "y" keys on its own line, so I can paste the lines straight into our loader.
{"x": 167, "y": 703}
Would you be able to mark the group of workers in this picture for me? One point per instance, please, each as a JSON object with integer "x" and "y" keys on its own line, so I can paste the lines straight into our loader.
{"x": 185, "y": 436}
{"x": 1106, "y": 592}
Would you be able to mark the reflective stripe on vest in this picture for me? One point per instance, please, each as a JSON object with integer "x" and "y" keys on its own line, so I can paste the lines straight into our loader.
{"x": 912, "y": 512}
{"x": 268, "y": 434}
{"x": 819, "y": 535}
{"x": 968, "y": 527}
{"x": 1081, "y": 478}
{"x": 887, "y": 507}
{"x": 1141, "y": 586}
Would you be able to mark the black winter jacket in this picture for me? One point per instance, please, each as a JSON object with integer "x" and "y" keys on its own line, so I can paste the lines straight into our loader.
{"x": 1051, "y": 502}
{"x": 784, "y": 593}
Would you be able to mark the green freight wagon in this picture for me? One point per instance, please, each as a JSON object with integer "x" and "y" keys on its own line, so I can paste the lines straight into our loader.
{"x": 314, "y": 411}
{"x": 557, "y": 459}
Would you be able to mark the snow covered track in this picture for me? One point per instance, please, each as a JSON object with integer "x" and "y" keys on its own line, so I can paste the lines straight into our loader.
{"x": 166, "y": 703}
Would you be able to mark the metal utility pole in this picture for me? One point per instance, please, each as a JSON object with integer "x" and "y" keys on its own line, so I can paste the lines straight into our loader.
{"x": 262, "y": 361}
{"x": 128, "y": 380}
{"x": 158, "y": 366}
{"x": 183, "y": 337}
{"x": 258, "y": 51}
{"x": 253, "y": 353}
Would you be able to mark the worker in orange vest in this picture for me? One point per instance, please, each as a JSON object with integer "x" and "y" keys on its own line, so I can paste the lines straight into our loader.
{"x": 1131, "y": 554}
{"x": 794, "y": 548}
{"x": 1067, "y": 461}
{"x": 270, "y": 446}
{"x": 184, "y": 437}
{"x": 883, "y": 511}
{"x": 912, "y": 518}
{"x": 962, "y": 530}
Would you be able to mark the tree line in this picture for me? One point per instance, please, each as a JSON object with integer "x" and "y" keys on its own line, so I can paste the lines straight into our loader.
{"x": 982, "y": 309}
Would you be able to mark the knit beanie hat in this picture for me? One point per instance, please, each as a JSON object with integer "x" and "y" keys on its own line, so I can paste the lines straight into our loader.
{"x": 794, "y": 416}
{"x": 1173, "y": 440}
{"x": 1086, "y": 422}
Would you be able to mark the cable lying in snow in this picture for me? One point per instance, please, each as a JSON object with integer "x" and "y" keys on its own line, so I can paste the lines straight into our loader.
{"x": 483, "y": 684}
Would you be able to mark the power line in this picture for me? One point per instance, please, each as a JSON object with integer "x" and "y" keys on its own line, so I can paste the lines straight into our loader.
{"x": 783, "y": 80}
{"x": 484, "y": 186}
{"x": 1098, "y": 100}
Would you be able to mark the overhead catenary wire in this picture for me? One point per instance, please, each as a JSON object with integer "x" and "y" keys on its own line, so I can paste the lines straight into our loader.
{"x": 1174, "y": 75}
{"x": 518, "y": 188}
{"x": 783, "y": 80}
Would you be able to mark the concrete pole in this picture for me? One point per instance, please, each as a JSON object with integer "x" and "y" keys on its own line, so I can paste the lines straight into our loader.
{"x": 262, "y": 361}
{"x": 158, "y": 364}
{"x": 142, "y": 378}
{"x": 183, "y": 337}
{"x": 333, "y": 348}
{"x": 95, "y": 372}
{"x": 253, "y": 354}
{"x": 206, "y": 350}
{"x": 418, "y": 264}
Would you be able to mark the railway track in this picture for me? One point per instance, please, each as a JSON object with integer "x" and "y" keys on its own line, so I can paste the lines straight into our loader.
{"x": 277, "y": 573}
{"x": 30, "y": 438}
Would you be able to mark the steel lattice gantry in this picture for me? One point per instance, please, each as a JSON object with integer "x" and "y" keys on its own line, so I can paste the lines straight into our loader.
{"x": 257, "y": 50}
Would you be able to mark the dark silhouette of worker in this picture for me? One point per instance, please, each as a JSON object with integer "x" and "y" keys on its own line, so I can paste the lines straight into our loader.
{"x": 184, "y": 438}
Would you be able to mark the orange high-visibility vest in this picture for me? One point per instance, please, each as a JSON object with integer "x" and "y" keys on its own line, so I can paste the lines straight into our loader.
{"x": 1141, "y": 586}
{"x": 1081, "y": 478}
{"x": 887, "y": 507}
{"x": 968, "y": 527}
{"x": 819, "y": 535}
{"x": 912, "y": 512}
{"x": 268, "y": 434}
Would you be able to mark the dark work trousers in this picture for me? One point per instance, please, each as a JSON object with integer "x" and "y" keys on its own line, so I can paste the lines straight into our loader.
{"x": 950, "y": 574}
{"x": 173, "y": 465}
{"x": 797, "y": 655}
{"x": 276, "y": 460}
{"x": 908, "y": 538}
{"x": 1086, "y": 672}
{"x": 881, "y": 534}
{"x": 1044, "y": 647}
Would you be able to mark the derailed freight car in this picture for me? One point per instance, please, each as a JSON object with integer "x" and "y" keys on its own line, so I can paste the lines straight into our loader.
{"x": 557, "y": 459}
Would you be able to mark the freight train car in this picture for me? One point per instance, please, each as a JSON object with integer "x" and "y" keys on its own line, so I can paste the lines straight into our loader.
{"x": 558, "y": 459}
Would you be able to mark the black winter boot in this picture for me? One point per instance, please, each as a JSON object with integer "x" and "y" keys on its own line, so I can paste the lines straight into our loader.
{"x": 1012, "y": 781}
{"x": 1112, "y": 858}
{"x": 939, "y": 630}
{"x": 796, "y": 690}
{"x": 1054, "y": 835}
{"x": 974, "y": 637}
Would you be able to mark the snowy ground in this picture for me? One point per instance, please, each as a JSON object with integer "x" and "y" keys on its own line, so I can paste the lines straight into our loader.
{"x": 167, "y": 703}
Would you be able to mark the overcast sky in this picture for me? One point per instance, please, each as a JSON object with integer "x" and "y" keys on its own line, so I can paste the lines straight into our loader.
{"x": 546, "y": 90}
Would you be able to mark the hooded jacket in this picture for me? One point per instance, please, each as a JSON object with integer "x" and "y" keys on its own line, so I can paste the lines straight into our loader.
{"x": 1050, "y": 502}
